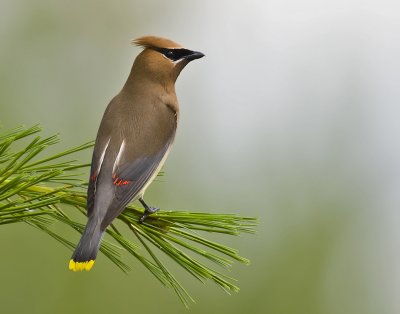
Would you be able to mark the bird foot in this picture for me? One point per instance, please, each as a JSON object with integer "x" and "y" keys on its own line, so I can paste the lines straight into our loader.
{"x": 148, "y": 211}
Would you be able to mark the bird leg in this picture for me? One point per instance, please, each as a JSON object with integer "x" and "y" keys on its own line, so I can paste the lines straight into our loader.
{"x": 147, "y": 210}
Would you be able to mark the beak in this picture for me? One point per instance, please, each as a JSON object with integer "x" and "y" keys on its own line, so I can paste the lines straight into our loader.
{"x": 194, "y": 55}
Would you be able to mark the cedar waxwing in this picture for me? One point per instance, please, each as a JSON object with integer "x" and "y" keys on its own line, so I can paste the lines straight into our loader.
{"x": 133, "y": 140}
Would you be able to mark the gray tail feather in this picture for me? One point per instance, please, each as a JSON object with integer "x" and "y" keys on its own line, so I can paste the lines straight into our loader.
{"x": 89, "y": 243}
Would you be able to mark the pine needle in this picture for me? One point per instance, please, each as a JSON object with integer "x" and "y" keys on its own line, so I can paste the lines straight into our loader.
{"x": 35, "y": 189}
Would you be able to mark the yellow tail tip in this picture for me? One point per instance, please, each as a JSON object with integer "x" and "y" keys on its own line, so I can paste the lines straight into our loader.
{"x": 79, "y": 266}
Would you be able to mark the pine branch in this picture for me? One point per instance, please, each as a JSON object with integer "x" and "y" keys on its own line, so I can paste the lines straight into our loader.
{"x": 35, "y": 190}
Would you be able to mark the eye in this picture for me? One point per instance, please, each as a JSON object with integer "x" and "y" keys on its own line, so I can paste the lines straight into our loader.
{"x": 169, "y": 54}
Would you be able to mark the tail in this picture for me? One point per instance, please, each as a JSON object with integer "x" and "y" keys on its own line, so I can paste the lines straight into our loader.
{"x": 87, "y": 248}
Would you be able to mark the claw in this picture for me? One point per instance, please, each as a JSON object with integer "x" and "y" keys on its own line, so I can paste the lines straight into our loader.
{"x": 148, "y": 210}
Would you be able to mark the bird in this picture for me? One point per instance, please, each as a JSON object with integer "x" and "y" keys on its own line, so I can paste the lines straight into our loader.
{"x": 133, "y": 141}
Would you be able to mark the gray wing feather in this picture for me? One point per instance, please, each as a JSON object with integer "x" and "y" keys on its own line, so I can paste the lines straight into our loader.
{"x": 137, "y": 174}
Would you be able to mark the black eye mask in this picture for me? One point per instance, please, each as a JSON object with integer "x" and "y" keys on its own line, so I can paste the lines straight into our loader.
{"x": 175, "y": 54}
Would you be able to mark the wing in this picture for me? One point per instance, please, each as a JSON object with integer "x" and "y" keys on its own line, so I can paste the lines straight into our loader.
{"x": 131, "y": 178}
{"x": 97, "y": 161}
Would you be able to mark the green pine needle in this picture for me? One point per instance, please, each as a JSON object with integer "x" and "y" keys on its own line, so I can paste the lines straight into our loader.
{"x": 35, "y": 190}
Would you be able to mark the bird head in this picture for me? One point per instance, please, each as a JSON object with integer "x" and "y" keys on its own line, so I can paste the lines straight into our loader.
{"x": 162, "y": 59}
